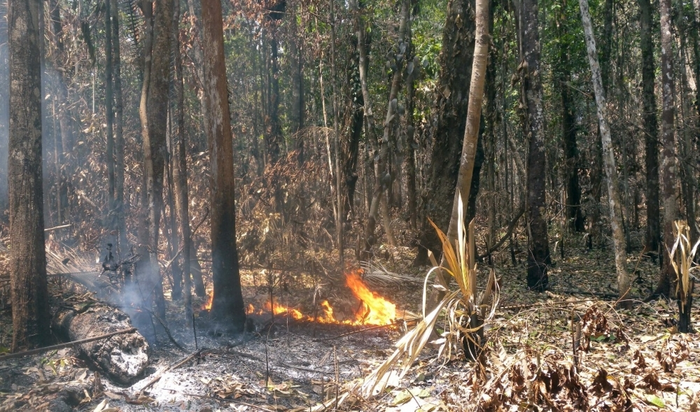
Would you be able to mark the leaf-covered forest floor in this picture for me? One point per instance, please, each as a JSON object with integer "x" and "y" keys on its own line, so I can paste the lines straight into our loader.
{"x": 628, "y": 359}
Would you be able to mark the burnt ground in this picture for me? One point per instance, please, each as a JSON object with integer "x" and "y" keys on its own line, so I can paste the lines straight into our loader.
{"x": 634, "y": 360}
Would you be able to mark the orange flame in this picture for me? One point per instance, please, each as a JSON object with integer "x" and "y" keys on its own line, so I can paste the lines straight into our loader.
{"x": 375, "y": 309}
{"x": 210, "y": 300}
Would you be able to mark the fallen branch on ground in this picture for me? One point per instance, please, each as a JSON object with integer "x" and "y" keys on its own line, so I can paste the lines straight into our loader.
{"x": 65, "y": 345}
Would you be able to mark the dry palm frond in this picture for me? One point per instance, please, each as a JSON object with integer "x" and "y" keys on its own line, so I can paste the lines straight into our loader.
{"x": 458, "y": 306}
{"x": 376, "y": 273}
{"x": 683, "y": 263}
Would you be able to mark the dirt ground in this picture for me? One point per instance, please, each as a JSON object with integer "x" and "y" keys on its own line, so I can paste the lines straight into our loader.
{"x": 635, "y": 359}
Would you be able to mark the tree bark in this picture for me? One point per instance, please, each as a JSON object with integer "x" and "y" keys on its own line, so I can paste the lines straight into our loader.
{"x": 531, "y": 96}
{"x": 153, "y": 112}
{"x": 651, "y": 128}
{"x": 180, "y": 174}
{"x": 668, "y": 152}
{"x": 471, "y": 132}
{"x": 574, "y": 215}
{"x": 447, "y": 132}
{"x": 29, "y": 291}
{"x": 624, "y": 282}
{"x": 227, "y": 304}
{"x": 123, "y": 358}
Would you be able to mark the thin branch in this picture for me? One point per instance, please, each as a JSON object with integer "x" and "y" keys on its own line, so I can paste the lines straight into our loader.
{"x": 65, "y": 345}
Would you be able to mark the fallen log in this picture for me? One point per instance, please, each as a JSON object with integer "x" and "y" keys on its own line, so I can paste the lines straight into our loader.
{"x": 123, "y": 357}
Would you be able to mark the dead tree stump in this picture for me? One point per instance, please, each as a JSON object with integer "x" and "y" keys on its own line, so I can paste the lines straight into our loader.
{"x": 123, "y": 358}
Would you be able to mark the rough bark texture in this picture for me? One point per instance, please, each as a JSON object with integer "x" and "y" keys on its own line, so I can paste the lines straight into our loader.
{"x": 153, "y": 111}
{"x": 538, "y": 242}
{"x": 447, "y": 132}
{"x": 651, "y": 128}
{"x": 29, "y": 293}
{"x": 351, "y": 146}
{"x": 623, "y": 279}
{"x": 227, "y": 305}
{"x": 668, "y": 152}
{"x": 473, "y": 121}
{"x": 180, "y": 176}
{"x": 123, "y": 358}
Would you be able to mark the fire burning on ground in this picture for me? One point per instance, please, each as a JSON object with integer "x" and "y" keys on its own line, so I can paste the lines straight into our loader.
{"x": 375, "y": 309}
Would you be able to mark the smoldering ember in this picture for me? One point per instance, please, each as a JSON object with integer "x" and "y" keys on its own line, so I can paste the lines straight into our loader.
{"x": 321, "y": 205}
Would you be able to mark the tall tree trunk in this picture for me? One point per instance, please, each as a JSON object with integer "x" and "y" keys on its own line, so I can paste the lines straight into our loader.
{"x": 451, "y": 114}
{"x": 180, "y": 175}
{"x": 473, "y": 120}
{"x": 623, "y": 279}
{"x": 4, "y": 105}
{"x": 153, "y": 111}
{"x": 109, "y": 116}
{"x": 538, "y": 242}
{"x": 273, "y": 137}
{"x": 298, "y": 112}
{"x": 120, "y": 207}
{"x": 227, "y": 304}
{"x": 352, "y": 146}
{"x": 173, "y": 240}
{"x": 668, "y": 152}
{"x": 574, "y": 215}
{"x": 29, "y": 291}
{"x": 412, "y": 71}
{"x": 651, "y": 128}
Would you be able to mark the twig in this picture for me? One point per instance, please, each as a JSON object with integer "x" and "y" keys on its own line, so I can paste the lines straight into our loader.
{"x": 170, "y": 262}
{"x": 169, "y": 368}
{"x": 49, "y": 229}
{"x": 511, "y": 227}
{"x": 342, "y": 335}
{"x": 167, "y": 331}
{"x": 65, "y": 345}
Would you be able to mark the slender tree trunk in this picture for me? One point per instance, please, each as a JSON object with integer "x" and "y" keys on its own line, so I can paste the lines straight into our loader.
{"x": 412, "y": 71}
{"x": 109, "y": 115}
{"x": 574, "y": 215}
{"x": 173, "y": 240}
{"x": 471, "y": 132}
{"x": 340, "y": 216}
{"x": 448, "y": 132}
{"x": 153, "y": 123}
{"x": 297, "y": 115}
{"x": 352, "y": 147}
{"x": 651, "y": 128}
{"x": 4, "y": 105}
{"x": 29, "y": 291}
{"x": 273, "y": 138}
{"x": 227, "y": 304}
{"x": 121, "y": 208}
{"x": 180, "y": 176}
{"x": 538, "y": 243}
{"x": 383, "y": 177}
{"x": 624, "y": 281}
{"x": 668, "y": 152}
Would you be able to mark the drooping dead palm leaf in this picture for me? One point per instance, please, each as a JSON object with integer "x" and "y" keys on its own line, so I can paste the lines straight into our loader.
{"x": 459, "y": 308}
